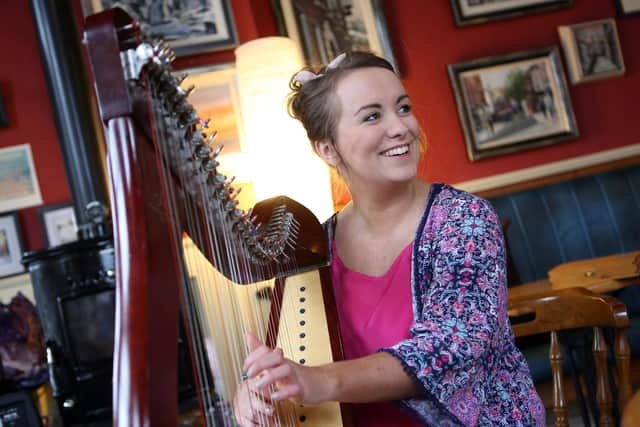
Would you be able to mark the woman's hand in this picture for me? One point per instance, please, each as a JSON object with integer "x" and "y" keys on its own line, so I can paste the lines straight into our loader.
{"x": 272, "y": 378}
{"x": 251, "y": 407}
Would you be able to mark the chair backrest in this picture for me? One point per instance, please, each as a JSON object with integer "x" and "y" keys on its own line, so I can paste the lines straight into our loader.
{"x": 575, "y": 308}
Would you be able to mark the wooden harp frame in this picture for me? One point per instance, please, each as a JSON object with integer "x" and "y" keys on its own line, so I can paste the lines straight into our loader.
{"x": 148, "y": 268}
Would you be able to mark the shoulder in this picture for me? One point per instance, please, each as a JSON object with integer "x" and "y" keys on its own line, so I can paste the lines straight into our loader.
{"x": 460, "y": 200}
{"x": 453, "y": 208}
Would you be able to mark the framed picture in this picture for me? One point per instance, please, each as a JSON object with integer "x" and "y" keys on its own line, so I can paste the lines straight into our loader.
{"x": 58, "y": 224}
{"x": 592, "y": 50}
{"x": 190, "y": 27}
{"x": 11, "y": 247}
{"x": 628, "y": 7}
{"x": 512, "y": 102}
{"x": 216, "y": 97}
{"x": 468, "y": 12}
{"x": 18, "y": 181}
{"x": 325, "y": 28}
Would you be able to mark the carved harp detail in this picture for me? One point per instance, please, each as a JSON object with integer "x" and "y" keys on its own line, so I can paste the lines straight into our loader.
{"x": 183, "y": 247}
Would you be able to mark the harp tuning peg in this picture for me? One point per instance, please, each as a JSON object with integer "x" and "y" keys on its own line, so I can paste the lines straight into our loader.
{"x": 217, "y": 151}
{"x": 211, "y": 137}
{"x": 181, "y": 77}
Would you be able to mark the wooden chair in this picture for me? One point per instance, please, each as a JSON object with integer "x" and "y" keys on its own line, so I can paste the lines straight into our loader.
{"x": 562, "y": 310}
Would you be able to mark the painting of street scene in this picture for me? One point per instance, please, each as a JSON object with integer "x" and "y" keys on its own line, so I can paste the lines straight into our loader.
{"x": 512, "y": 102}
{"x": 191, "y": 26}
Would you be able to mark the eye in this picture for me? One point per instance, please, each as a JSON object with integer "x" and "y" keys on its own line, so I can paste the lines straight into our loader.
{"x": 405, "y": 108}
{"x": 371, "y": 117}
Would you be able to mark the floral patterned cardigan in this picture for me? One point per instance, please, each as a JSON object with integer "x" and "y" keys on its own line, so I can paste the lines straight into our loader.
{"x": 461, "y": 349}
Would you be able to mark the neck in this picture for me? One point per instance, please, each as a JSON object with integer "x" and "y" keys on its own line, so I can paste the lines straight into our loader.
{"x": 387, "y": 206}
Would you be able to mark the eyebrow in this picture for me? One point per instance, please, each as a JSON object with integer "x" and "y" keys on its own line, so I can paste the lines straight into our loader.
{"x": 377, "y": 105}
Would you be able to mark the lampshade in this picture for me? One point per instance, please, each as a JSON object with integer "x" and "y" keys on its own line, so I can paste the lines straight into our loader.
{"x": 278, "y": 151}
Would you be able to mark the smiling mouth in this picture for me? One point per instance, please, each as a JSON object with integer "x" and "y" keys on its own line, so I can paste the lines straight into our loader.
{"x": 396, "y": 151}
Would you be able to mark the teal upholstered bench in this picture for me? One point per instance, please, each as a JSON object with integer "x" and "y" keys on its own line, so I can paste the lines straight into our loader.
{"x": 585, "y": 217}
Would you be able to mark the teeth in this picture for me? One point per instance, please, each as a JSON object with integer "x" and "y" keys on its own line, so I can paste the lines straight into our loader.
{"x": 396, "y": 151}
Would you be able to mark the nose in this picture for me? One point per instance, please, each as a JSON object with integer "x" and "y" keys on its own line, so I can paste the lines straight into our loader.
{"x": 397, "y": 128}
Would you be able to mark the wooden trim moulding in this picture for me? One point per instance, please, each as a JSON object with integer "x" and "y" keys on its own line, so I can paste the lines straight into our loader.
{"x": 552, "y": 173}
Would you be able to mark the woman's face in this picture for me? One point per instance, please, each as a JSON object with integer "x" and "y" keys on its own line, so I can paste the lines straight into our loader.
{"x": 377, "y": 135}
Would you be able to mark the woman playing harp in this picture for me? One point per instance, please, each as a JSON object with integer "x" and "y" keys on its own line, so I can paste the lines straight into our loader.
{"x": 418, "y": 271}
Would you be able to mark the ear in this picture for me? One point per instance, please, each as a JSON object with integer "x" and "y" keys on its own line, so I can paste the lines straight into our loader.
{"x": 327, "y": 152}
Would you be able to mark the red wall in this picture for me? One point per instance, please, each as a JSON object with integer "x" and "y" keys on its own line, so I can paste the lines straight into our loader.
{"x": 425, "y": 40}
{"x": 24, "y": 89}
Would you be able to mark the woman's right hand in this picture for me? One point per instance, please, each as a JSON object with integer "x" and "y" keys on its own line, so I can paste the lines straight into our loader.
{"x": 271, "y": 378}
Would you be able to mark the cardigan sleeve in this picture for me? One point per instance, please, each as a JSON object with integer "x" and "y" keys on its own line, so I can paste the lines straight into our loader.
{"x": 459, "y": 289}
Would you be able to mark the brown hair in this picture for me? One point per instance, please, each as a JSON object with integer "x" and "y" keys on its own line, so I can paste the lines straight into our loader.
{"x": 313, "y": 104}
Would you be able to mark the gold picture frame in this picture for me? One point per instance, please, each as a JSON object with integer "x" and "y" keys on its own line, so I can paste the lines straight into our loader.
{"x": 512, "y": 102}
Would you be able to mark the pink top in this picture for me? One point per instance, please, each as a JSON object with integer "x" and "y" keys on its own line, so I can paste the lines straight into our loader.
{"x": 374, "y": 312}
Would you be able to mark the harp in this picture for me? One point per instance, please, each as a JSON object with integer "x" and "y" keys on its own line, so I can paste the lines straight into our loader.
{"x": 182, "y": 246}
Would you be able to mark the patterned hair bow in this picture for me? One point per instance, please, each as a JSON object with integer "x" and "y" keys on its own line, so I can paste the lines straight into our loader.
{"x": 306, "y": 76}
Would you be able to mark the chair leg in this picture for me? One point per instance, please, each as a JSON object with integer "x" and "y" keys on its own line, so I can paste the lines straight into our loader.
{"x": 603, "y": 395}
{"x": 559, "y": 401}
{"x": 623, "y": 361}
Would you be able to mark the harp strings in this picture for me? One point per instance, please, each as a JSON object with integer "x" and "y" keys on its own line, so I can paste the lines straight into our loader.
{"x": 218, "y": 311}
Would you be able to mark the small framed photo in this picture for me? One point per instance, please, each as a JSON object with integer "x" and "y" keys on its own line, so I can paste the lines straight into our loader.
{"x": 469, "y": 12}
{"x": 190, "y": 27}
{"x": 19, "y": 186}
{"x": 323, "y": 29}
{"x": 512, "y": 102}
{"x": 592, "y": 50}
{"x": 628, "y": 7}
{"x": 11, "y": 246}
{"x": 58, "y": 224}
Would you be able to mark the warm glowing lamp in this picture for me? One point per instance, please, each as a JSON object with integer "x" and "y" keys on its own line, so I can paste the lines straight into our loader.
{"x": 278, "y": 152}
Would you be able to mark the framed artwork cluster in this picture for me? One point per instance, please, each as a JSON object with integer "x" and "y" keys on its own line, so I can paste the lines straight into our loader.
{"x": 520, "y": 100}
{"x": 58, "y": 225}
